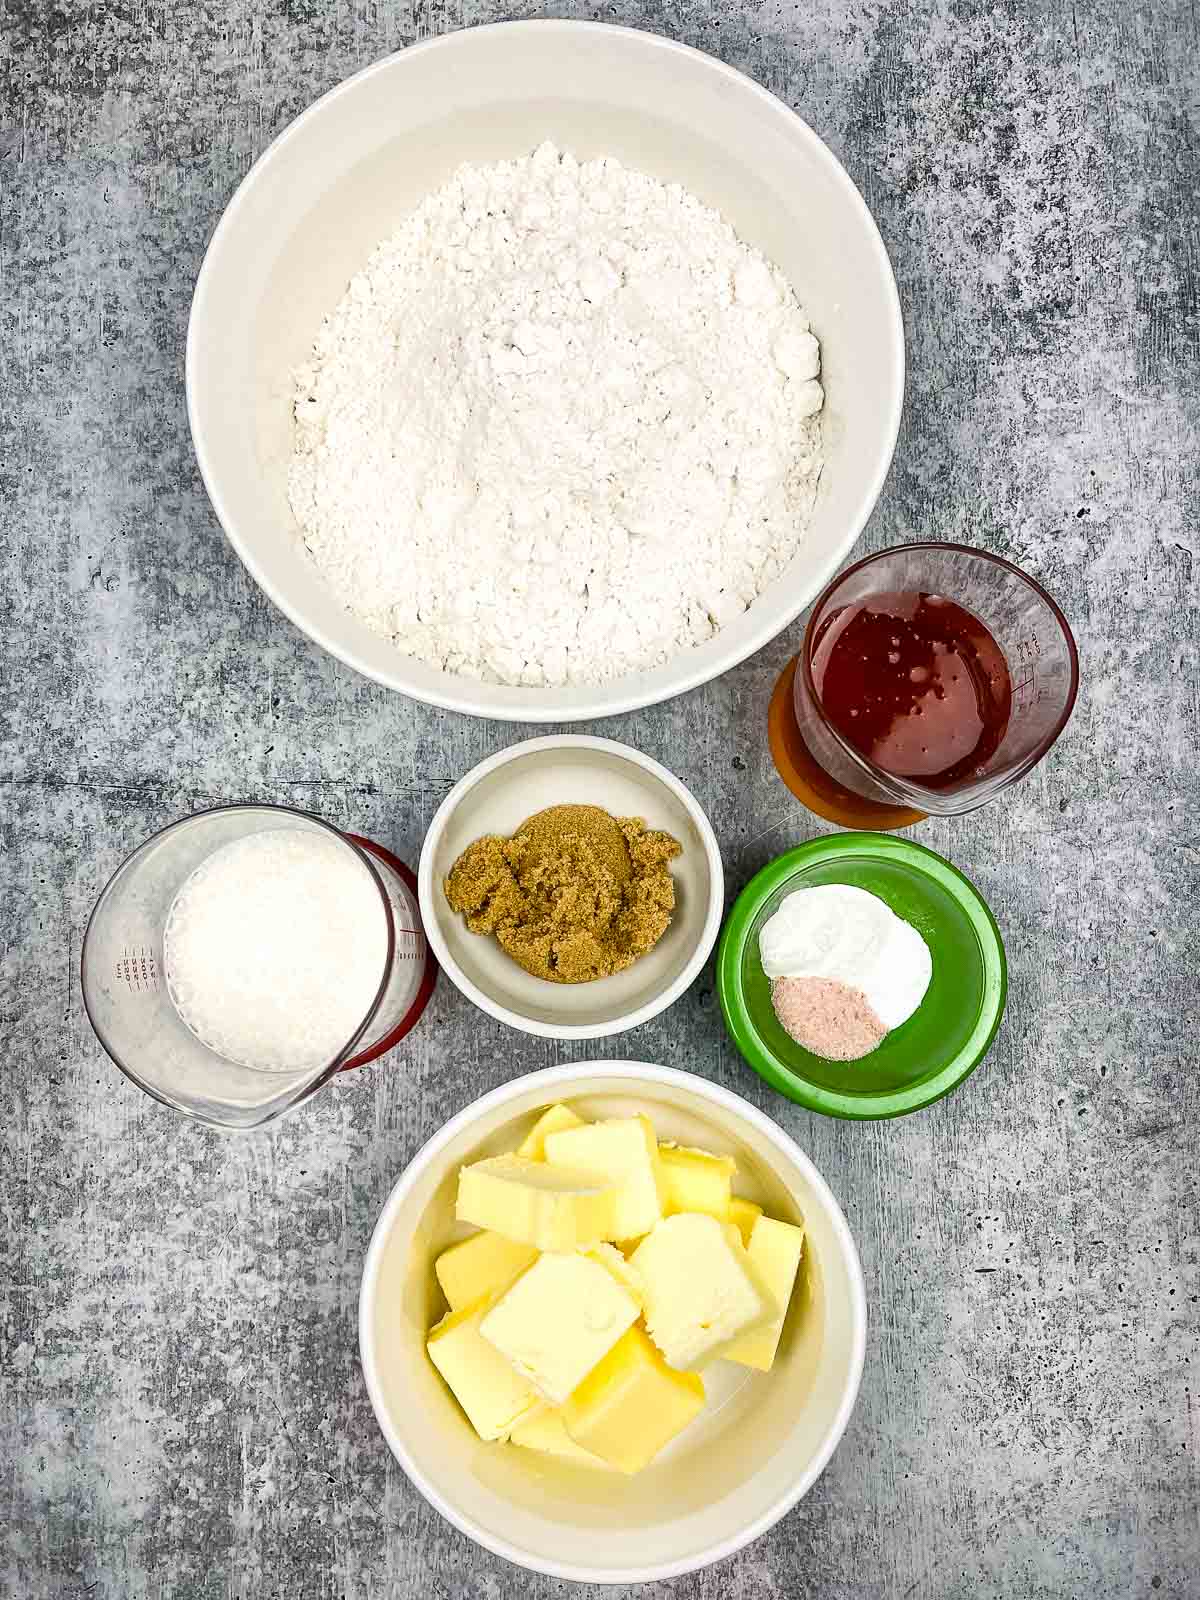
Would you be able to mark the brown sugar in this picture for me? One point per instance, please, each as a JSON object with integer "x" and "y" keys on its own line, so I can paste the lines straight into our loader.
{"x": 574, "y": 894}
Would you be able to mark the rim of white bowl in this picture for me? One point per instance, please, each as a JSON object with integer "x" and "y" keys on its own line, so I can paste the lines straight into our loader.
{"x": 426, "y": 889}
{"x": 705, "y": 1089}
{"x": 599, "y": 700}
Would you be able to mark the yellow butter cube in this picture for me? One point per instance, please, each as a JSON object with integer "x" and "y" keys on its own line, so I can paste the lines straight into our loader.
{"x": 631, "y": 1405}
{"x": 553, "y": 1208}
{"x": 493, "y": 1396}
{"x": 697, "y": 1181}
{"x": 702, "y": 1292}
{"x": 626, "y": 1274}
{"x": 545, "y": 1431}
{"x": 556, "y": 1120}
{"x": 624, "y": 1151}
{"x": 744, "y": 1214}
{"x": 479, "y": 1266}
{"x": 557, "y": 1321}
{"x": 775, "y": 1250}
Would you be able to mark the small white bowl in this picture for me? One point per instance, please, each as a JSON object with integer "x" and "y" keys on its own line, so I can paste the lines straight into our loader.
{"x": 763, "y": 1439}
{"x": 496, "y": 797}
{"x": 345, "y": 173}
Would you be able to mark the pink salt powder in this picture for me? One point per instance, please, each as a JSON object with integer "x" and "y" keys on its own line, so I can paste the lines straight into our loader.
{"x": 829, "y": 1018}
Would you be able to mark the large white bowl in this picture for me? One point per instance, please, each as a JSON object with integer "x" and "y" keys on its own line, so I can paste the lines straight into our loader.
{"x": 343, "y": 174}
{"x": 764, "y": 1438}
{"x": 564, "y": 769}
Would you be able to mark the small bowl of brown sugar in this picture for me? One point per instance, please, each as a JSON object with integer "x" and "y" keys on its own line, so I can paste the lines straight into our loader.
{"x": 571, "y": 887}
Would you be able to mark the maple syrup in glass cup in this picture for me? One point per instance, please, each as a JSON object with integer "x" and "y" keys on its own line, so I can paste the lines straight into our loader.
{"x": 931, "y": 677}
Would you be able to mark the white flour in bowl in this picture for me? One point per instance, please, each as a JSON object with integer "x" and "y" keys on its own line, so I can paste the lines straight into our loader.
{"x": 562, "y": 426}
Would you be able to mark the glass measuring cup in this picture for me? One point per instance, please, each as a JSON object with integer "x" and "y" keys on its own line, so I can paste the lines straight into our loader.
{"x": 125, "y": 990}
{"x": 843, "y": 785}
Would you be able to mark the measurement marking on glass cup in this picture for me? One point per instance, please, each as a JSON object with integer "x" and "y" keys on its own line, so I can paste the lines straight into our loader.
{"x": 414, "y": 951}
{"x": 138, "y": 969}
{"x": 1025, "y": 685}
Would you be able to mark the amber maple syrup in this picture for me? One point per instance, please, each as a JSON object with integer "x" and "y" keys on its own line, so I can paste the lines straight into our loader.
{"x": 915, "y": 683}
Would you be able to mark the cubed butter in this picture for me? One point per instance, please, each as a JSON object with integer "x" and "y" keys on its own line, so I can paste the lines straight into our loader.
{"x": 632, "y": 1404}
{"x": 556, "y": 1120}
{"x": 479, "y": 1266}
{"x": 626, "y": 1274}
{"x": 775, "y": 1250}
{"x": 744, "y": 1214}
{"x": 624, "y": 1151}
{"x": 550, "y": 1207}
{"x": 702, "y": 1292}
{"x": 558, "y": 1320}
{"x": 697, "y": 1181}
{"x": 485, "y": 1385}
{"x": 545, "y": 1430}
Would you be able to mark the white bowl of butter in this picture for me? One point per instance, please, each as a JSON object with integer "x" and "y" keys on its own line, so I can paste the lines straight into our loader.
{"x": 745, "y": 1457}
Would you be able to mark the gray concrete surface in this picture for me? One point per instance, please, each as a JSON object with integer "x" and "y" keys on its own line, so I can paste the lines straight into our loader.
{"x": 181, "y": 1410}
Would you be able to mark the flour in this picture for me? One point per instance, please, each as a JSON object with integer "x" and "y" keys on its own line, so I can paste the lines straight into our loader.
{"x": 561, "y": 427}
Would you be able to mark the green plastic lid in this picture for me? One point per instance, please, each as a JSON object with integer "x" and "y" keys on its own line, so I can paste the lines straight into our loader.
{"x": 946, "y": 1037}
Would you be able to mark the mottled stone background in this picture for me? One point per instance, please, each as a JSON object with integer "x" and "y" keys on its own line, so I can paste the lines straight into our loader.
{"x": 182, "y": 1413}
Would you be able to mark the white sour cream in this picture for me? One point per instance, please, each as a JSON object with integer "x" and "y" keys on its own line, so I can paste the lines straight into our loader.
{"x": 837, "y": 931}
